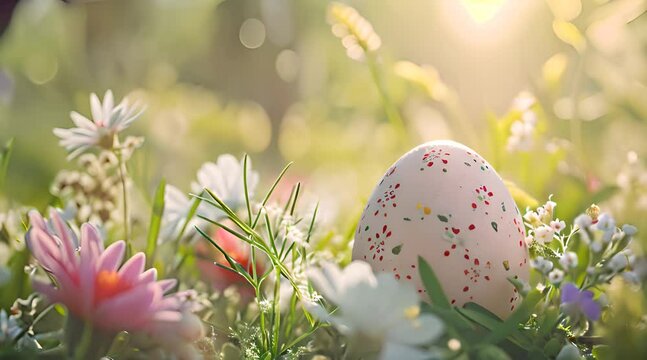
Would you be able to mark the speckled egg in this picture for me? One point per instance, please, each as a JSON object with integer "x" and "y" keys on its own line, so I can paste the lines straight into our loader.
{"x": 444, "y": 202}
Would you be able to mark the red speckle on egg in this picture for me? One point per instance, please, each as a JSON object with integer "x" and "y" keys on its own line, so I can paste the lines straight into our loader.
{"x": 473, "y": 205}
{"x": 453, "y": 301}
{"x": 453, "y": 246}
{"x": 456, "y": 231}
{"x": 446, "y": 253}
{"x": 476, "y": 262}
{"x": 487, "y": 278}
{"x": 466, "y": 289}
{"x": 408, "y": 277}
{"x": 472, "y": 227}
{"x": 467, "y": 257}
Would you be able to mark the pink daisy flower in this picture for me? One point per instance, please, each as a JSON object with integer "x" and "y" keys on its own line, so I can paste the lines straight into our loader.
{"x": 91, "y": 282}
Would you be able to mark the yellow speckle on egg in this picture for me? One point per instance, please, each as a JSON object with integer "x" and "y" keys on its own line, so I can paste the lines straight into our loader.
{"x": 426, "y": 210}
{"x": 412, "y": 312}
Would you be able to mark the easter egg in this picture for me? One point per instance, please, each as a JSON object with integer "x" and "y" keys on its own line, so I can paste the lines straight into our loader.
{"x": 442, "y": 201}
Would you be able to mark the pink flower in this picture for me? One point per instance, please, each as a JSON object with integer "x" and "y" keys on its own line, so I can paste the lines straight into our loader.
{"x": 94, "y": 287}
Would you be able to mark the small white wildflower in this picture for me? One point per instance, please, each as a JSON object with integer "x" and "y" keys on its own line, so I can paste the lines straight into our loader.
{"x": 532, "y": 218}
{"x": 556, "y": 276}
{"x": 605, "y": 222}
{"x": 568, "y": 260}
{"x": 618, "y": 235}
{"x": 596, "y": 246}
{"x": 558, "y": 225}
{"x": 583, "y": 221}
{"x": 264, "y": 306}
{"x": 631, "y": 277}
{"x": 630, "y": 230}
{"x": 618, "y": 262}
{"x": 529, "y": 240}
{"x": 542, "y": 265}
{"x": 545, "y": 216}
{"x": 544, "y": 234}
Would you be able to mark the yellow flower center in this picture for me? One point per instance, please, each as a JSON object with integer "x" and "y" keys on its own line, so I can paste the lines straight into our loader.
{"x": 412, "y": 312}
{"x": 108, "y": 284}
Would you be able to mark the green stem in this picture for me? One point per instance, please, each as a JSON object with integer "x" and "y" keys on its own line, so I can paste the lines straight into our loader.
{"x": 86, "y": 339}
{"x": 277, "y": 313}
{"x": 392, "y": 113}
{"x": 124, "y": 193}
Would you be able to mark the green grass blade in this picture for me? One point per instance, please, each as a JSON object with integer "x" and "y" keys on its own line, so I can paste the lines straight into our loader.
{"x": 520, "y": 315}
{"x": 432, "y": 285}
{"x": 155, "y": 223}
{"x": 189, "y": 216}
{"x": 247, "y": 203}
{"x": 269, "y": 193}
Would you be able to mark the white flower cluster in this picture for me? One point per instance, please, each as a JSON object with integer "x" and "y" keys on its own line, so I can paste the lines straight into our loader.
{"x": 542, "y": 227}
{"x": 90, "y": 194}
{"x": 523, "y": 129}
{"x": 610, "y": 243}
{"x": 607, "y": 245}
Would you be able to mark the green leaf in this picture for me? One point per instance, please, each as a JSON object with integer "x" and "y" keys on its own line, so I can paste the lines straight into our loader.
{"x": 484, "y": 318}
{"x": 442, "y": 218}
{"x": 5, "y": 156}
{"x": 155, "y": 223}
{"x": 18, "y": 285}
{"x": 432, "y": 285}
{"x": 520, "y": 315}
{"x": 189, "y": 216}
{"x": 490, "y": 352}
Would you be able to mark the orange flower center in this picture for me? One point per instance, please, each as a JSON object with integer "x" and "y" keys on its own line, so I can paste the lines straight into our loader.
{"x": 108, "y": 284}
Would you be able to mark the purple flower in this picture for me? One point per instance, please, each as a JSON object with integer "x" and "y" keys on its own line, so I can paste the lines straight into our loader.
{"x": 576, "y": 303}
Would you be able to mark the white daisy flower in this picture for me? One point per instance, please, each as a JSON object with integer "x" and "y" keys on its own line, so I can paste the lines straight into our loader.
{"x": 378, "y": 308}
{"x": 225, "y": 179}
{"x": 107, "y": 120}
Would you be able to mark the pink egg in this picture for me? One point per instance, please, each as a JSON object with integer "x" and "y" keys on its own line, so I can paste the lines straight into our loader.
{"x": 444, "y": 202}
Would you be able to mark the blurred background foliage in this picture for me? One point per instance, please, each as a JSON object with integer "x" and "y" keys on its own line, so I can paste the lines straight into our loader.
{"x": 551, "y": 92}
{"x": 267, "y": 77}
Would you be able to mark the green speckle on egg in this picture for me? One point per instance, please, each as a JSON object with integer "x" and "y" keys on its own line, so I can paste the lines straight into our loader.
{"x": 396, "y": 250}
